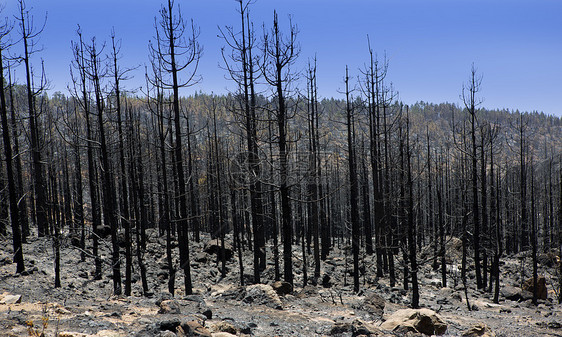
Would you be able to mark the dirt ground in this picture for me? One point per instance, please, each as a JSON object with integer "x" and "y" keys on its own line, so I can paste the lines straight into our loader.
{"x": 84, "y": 307}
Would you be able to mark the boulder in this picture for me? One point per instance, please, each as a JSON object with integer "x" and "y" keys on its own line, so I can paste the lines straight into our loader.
{"x": 10, "y": 299}
{"x": 103, "y": 231}
{"x": 424, "y": 321}
{"x": 169, "y": 307}
{"x": 224, "y": 326}
{"x": 515, "y": 293}
{"x": 169, "y": 324}
{"x": 282, "y": 287}
{"x": 214, "y": 248}
{"x": 356, "y": 328}
{"x": 542, "y": 291}
{"x": 222, "y": 334}
{"x": 195, "y": 329}
{"x": 373, "y": 304}
{"x": 167, "y": 334}
{"x": 341, "y": 328}
{"x": 262, "y": 294}
{"x": 479, "y": 330}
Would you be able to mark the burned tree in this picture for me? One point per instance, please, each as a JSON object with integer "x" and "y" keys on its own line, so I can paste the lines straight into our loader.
{"x": 177, "y": 51}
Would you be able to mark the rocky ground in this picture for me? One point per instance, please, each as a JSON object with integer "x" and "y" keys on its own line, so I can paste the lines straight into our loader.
{"x": 31, "y": 306}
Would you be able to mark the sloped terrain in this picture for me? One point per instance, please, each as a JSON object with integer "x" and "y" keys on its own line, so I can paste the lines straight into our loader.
{"x": 84, "y": 307}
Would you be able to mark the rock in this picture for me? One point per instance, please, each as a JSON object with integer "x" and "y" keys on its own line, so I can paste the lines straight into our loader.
{"x": 479, "y": 330}
{"x": 341, "y": 328}
{"x": 515, "y": 293}
{"x": 222, "y": 334}
{"x": 200, "y": 257}
{"x": 357, "y": 328}
{"x": 169, "y": 307}
{"x": 307, "y": 292}
{"x": 326, "y": 282}
{"x": 374, "y": 305}
{"x": 164, "y": 296}
{"x": 262, "y": 294}
{"x": 542, "y": 291}
{"x": 5, "y": 260}
{"x": 29, "y": 271}
{"x": 167, "y": 334}
{"x": 10, "y": 299}
{"x": 75, "y": 240}
{"x": 425, "y": 321}
{"x": 208, "y": 313}
{"x": 107, "y": 333}
{"x": 554, "y": 325}
{"x": 195, "y": 329}
{"x": 549, "y": 259}
{"x": 70, "y": 334}
{"x": 216, "y": 249}
{"x": 169, "y": 325}
{"x": 282, "y": 287}
{"x": 224, "y": 326}
{"x": 103, "y": 231}
{"x": 194, "y": 298}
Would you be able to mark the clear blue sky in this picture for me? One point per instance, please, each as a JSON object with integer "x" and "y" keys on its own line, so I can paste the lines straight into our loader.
{"x": 516, "y": 45}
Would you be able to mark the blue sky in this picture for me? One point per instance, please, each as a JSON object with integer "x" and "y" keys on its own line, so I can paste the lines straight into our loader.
{"x": 516, "y": 45}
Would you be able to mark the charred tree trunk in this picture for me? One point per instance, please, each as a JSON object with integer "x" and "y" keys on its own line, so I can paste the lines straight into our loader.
{"x": 13, "y": 202}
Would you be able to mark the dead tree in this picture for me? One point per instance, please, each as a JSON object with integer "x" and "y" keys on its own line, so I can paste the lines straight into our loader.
{"x": 280, "y": 53}
{"x": 95, "y": 73}
{"x": 28, "y": 35}
{"x": 119, "y": 75}
{"x": 13, "y": 202}
{"x": 471, "y": 103}
{"x": 82, "y": 96}
{"x": 353, "y": 184}
{"x": 177, "y": 51}
{"x": 242, "y": 67}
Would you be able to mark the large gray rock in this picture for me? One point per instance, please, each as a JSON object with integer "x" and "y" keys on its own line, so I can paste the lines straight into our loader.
{"x": 424, "y": 321}
{"x": 262, "y": 294}
{"x": 169, "y": 307}
{"x": 194, "y": 329}
{"x": 224, "y": 326}
{"x": 282, "y": 287}
{"x": 356, "y": 328}
{"x": 515, "y": 293}
{"x": 10, "y": 299}
{"x": 373, "y": 304}
{"x": 479, "y": 330}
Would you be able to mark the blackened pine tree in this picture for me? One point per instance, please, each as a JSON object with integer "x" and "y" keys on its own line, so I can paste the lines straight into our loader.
{"x": 81, "y": 93}
{"x": 314, "y": 166}
{"x": 241, "y": 64}
{"x": 13, "y": 202}
{"x": 176, "y": 49}
{"x": 28, "y": 35}
{"x": 471, "y": 103}
{"x": 353, "y": 183}
{"x": 22, "y": 197}
{"x": 95, "y": 72}
{"x": 412, "y": 255}
{"x": 280, "y": 53}
{"x": 119, "y": 75}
